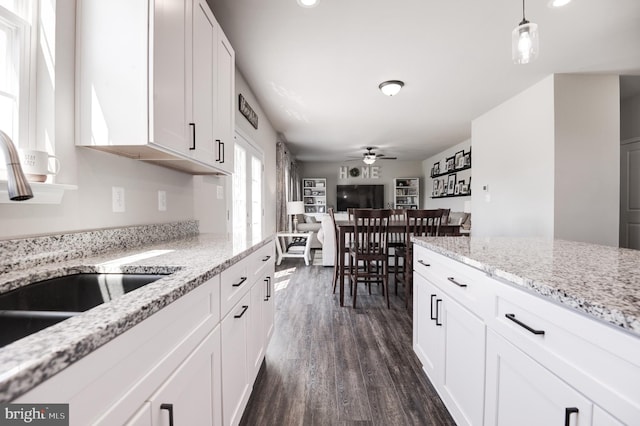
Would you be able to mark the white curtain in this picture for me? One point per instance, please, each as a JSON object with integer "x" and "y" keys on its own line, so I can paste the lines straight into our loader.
{"x": 288, "y": 184}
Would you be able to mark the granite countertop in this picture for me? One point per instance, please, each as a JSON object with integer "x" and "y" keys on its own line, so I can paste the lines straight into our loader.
{"x": 191, "y": 261}
{"x": 600, "y": 281}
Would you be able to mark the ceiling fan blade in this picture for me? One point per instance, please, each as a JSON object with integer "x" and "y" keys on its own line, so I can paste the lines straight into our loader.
{"x": 384, "y": 157}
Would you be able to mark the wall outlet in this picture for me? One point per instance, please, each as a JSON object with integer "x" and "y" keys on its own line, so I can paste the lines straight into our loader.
{"x": 117, "y": 199}
{"x": 162, "y": 201}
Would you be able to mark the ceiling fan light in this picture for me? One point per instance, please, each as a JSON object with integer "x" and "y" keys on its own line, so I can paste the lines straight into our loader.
{"x": 559, "y": 3}
{"x": 369, "y": 159}
{"x": 391, "y": 87}
{"x": 524, "y": 42}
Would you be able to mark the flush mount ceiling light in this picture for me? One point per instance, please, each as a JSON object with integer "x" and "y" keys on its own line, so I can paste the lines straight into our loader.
{"x": 559, "y": 3}
{"x": 524, "y": 41}
{"x": 308, "y": 3}
{"x": 391, "y": 87}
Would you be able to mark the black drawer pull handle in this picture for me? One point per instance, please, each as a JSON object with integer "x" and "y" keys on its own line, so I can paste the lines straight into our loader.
{"x": 438, "y": 312}
{"x": 422, "y": 262}
{"x": 239, "y": 283}
{"x": 244, "y": 309}
{"x": 453, "y": 280}
{"x": 432, "y": 317}
{"x": 218, "y": 153}
{"x": 222, "y": 159}
{"x": 193, "y": 132}
{"x": 567, "y": 414}
{"x": 513, "y": 318}
{"x": 169, "y": 408}
{"x": 267, "y": 280}
{"x": 266, "y": 258}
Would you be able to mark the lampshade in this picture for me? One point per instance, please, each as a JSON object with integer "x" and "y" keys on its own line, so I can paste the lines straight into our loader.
{"x": 295, "y": 207}
{"x": 369, "y": 159}
{"x": 391, "y": 87}
{"x": 524, "y": 41}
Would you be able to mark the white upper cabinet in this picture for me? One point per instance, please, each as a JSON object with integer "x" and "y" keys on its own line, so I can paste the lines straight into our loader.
{"x": 148, "y": 87}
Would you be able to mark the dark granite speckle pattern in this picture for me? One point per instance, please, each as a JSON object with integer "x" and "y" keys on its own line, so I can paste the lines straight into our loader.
{"x": 191, "y": 258}
{"x": 601, "y": 281}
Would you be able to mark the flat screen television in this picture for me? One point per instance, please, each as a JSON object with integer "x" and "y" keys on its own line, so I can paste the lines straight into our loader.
{"x": 360, "y": 197}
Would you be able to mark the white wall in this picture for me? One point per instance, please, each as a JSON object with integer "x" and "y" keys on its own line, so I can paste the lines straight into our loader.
{"x": 587, "y": 158}
{"x": 388, "y": 170}
{"x": 456, "y": 204}
{"x": 513, "y": 155}
{"x": 550, "y": 159}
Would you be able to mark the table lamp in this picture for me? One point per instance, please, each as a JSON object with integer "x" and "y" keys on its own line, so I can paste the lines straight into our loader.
{"x": 295, "y": 208}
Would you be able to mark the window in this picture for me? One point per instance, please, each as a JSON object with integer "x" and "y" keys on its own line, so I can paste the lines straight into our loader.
{"x": 15, "y": 70}
{"x": 247, "y": 185}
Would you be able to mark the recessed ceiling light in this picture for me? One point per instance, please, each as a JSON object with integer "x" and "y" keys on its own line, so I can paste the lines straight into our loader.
{"x": 559, "y": 3}
{"x": 308, "y": 3}
{"x": 391, "y": 87}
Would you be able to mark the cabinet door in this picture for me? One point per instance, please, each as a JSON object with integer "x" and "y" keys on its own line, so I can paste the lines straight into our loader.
{"x": 464, "y": 364}
{"x": 519, "y": 391}
{"x": 204, "y": 36}
{"x": 188, "y": 394}
{"x": 602, "y": 418}
{"x": 269, "y": 309}
{"x": 225, "y": 95}
{"x": 428, "y": 333}
{"x": 235, "y": 384}
{"x": 255, "y": 344}
{"x": 168, "y": 77}
{"x": 142, "y": 417}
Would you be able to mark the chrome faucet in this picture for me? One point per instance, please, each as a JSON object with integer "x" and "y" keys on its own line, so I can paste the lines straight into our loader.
{"x": 17, "y": 185}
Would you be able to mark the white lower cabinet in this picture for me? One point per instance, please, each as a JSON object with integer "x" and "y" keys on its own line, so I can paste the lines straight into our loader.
{"x": 522, "y": 392}
{"x": 235, "y": 374}
{"x": 187, "y": 397}
{"x": 499, "y": 356}
{"x": 450, "y": 341}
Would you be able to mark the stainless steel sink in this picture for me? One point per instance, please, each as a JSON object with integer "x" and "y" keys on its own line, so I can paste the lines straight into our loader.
{"x": 36, "y": 306}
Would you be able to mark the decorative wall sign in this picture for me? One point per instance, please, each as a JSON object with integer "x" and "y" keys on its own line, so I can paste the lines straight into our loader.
{"x": 364, "y": 172}
{"x": 247, "y": 111}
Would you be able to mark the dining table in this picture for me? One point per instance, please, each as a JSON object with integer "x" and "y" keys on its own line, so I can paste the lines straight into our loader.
{"x": 347, "y": 227}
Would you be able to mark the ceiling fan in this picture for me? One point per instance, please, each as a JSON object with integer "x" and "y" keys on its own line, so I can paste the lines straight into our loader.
{"x": 370, "y": 157}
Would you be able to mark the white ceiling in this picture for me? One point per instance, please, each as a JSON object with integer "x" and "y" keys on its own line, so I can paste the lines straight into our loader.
{"x": 316, "y": 71}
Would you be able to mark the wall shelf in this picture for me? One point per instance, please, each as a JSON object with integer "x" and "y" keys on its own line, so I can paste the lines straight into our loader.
{"x": 43, "y": 193}
{"x": 451, "y": 171}
{"x": 406, "y": 193}
{"x": 314, "y": 195}
{"x": 453, "y": 196}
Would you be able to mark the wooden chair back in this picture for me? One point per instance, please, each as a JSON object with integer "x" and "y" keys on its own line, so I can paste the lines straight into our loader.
{"x": 423, "y": 223}
{"x": 371, "y": 231}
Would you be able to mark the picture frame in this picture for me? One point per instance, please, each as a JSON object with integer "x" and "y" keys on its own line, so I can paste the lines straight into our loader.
{"x": 451, "y": 184}
{"x": 459, "y": 160}
{"x": 459, "y": 186}
{"x": 467, "y": 159}
{"x": 436, "y": 169}
{"x": 449, "y": 164}
{"x": 464, "y": 189}
{"x": 308, "y": 183}
{"x": 436, "y": 187}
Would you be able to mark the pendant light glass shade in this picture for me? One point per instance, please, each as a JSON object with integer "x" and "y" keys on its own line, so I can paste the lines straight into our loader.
{"x": 524, "y": 42}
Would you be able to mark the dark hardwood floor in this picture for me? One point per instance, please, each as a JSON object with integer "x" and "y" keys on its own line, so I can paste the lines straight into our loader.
{"x": 328, "y": 365}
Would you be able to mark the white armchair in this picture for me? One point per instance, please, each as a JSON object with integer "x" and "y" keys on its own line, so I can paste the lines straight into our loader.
{"x": 326, "y": 235}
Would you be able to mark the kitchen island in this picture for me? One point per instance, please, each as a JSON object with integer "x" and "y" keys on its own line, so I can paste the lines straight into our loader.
{"x": 529, "y": 331}
{"x": 194, "y": 261}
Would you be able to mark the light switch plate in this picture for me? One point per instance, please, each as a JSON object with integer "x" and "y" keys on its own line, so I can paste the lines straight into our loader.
{"x": 162, "y": 201}
{"x": 117, "y": 199}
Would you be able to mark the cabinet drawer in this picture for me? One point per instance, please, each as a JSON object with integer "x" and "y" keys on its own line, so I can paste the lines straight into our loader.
{"x": 261, "y": 259}
{"x": 468, "y": 286}
{"x": 234, "y": 283}
{"x": 601, "y": 362}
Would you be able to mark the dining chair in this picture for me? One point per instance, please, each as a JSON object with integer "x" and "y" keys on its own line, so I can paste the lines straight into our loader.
{"x": 396, "y": 238}
{"x": 369, "y": 248}
{"x": 336, "y": 261}
{"x": 419, "y": 223}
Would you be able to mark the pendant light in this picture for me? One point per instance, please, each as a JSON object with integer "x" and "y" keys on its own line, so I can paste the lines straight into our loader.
{"x": 524, "y": 41}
